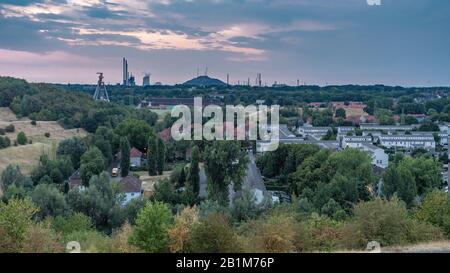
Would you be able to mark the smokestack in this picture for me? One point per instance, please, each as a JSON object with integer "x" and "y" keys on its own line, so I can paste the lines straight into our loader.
{"x": 125, "y": 71}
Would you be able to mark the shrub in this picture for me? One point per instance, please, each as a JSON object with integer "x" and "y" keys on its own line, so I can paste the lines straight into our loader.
{"x": 213, "y": 235}
{"x": 42, "y": 239}
{"x": 5, "y": 142}
{"x": 119, "y": 240}
{"x": 318, "y": 233}
{"x": 387, "y": 222}
{"x": 15, "y": 220}
{"x": 76, "y": 222}
{"x": 435, "y": 209}
{"x": 10, "y": 128}
{"x": 2, "y": 131}
{"x": 22, "y": 138}
{"x": 379, "y": 220}
{"x": 181, "y": 230}
{"x": 152, "y": 223}
{"x": 91, "y": 241}
{"x": 274, "y": 234}
{"x": 33, "y": 122}
{"x": 47, "y": 135}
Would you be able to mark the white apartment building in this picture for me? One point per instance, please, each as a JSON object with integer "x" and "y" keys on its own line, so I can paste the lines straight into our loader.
{"x": 385, "y": 128}
{"x": 355, "y": 141}
{"x": 317, "y": 132}
{"x": 443, "y": 136}
{"x": 264, "y": 146}
{"x": 425, "y": 141}
{"x": 343, "y": 130}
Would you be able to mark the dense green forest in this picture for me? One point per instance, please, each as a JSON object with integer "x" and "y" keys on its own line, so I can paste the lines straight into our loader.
{"x": 383, "y": 101}
{"x": 70, "y": 109}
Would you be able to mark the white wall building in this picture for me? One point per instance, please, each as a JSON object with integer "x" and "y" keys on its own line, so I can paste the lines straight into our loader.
{"x": 379, "y": 157}
{"x": 425, "y": 141}
{"x": 343, "y": 130}
{"x": 385, "y": 128}
{"x": 443, "y": 136}
{"x": 355, "y": 141}
{"x": 316, "y": 132}
{"x": 132, "y": 188}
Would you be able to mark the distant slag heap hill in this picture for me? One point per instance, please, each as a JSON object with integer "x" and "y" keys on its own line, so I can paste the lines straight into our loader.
{"x": 204, "y": 81}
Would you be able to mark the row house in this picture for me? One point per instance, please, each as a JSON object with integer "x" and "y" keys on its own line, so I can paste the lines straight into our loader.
{"x": 425, "y": 141}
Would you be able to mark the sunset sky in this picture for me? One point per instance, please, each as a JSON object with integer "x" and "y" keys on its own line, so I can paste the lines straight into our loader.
{"x": 400, "y": 42}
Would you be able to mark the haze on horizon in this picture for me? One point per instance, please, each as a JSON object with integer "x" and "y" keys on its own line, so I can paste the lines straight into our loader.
{"x": 401, "y": 42}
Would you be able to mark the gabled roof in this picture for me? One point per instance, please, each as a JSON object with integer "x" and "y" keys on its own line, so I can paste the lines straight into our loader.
{"x": 135, "y": 153}
{"x": 75, "y": 180}
{"x": 131, "y": 184}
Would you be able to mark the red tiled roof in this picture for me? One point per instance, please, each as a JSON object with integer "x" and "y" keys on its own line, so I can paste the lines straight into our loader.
{"x": 131, "y": 184}
{"x": 135, "y": 153}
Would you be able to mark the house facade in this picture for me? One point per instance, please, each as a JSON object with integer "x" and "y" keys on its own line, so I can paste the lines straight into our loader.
{"x": 132, "y": 188}
{"x": 135, "y": 158}
{"x": 75, "y": 181}
{"x": 379, "y": 157}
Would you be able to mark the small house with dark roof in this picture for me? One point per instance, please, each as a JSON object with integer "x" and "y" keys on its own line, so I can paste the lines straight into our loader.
{"x": 135, "y": 158}
{"x": 132, "y": 188}
{"x": 75, "y": 181}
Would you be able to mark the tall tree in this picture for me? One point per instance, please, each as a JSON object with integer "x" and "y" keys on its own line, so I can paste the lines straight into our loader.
{"x": 225, "y": 163}
{"x": 160, "y": 156}
{"x": 50, "y": 200}
{"x": 152, "y": 224}
{"x": 399, "y": 180}
{"x": 73, "y": 148}
{"x": 137, "y": 132}
{"x": 92, "y": 163}
{"x": 194, "y": 169}
{"x": 435, "y": 209}
{"x": 99, "y": 202}
{"x": 152, "y": 152}
{"x": 15, "y": 220}
{"x": 125, "y": 156}
{"x": 182, "y": 178}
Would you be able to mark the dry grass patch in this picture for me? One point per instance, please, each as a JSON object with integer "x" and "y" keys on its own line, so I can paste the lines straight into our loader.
{"x": 350, "y": 112}
{"x": 36, "y": 132}
{"x": 148, "y": 182}
{"x": 424, "y": 247}
{"x": 26, "y": 156}
{"x": 6, "y": 115}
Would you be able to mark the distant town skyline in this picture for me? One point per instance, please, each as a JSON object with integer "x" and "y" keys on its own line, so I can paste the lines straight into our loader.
{"x": 317, "y": 42}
